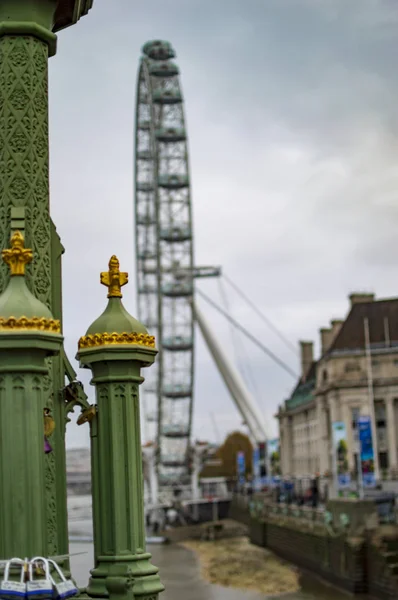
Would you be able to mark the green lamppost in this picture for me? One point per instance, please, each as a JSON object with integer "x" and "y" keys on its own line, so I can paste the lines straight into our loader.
{"x": 28, "y": 335}
{"x": 115, "y": 348}
{"x": 27, "y": 39}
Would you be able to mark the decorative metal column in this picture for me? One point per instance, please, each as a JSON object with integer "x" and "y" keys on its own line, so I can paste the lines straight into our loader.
{"x": 115, "y": 348}
{"x": 27, "y": 39}
{"x": 28, "y": 335}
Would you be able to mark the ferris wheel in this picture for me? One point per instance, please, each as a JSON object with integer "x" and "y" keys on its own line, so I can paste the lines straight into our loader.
{"x": 164, "y": 257}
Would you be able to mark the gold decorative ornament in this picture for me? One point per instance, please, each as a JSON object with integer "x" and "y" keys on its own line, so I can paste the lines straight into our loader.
{"x": 110, "y": 339}
{"x": 33, "y": 324}
{"x": 113, "y": 279}
{"x": 49, "y": 423}
{"x": 17, "y": 257}
{"x": 87, "y": 415}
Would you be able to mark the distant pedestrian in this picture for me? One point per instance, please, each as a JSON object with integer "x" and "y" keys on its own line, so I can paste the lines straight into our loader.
{"x": 289, "y": 486}
{"x": 276, "y": 492}
{"x": 155, "y": 521}
{"x": 315, "y": 492}
{"x": 250, "y": 488}
{"x": 172, "y": 516}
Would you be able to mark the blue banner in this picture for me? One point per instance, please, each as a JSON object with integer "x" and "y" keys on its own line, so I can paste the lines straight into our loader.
{"x": 341, "y": 452}
{"x": 366, "y": 450}
{"x": 256, "y": 469}
{"x": 241, "y": 466}
{"x": 273, "y": 458}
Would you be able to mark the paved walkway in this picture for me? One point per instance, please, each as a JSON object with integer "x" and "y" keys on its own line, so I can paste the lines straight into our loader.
{"x": 181, "y": 576}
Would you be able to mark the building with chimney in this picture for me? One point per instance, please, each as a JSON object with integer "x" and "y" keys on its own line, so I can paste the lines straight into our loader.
{"x": 357, "y": 370}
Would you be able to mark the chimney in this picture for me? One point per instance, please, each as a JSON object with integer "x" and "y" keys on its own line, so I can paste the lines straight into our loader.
{"x": 358, "y": 298}
{"x": 307, "y": 357}
{"x": 326, "y": 339}
{"x": 336, "y": 326}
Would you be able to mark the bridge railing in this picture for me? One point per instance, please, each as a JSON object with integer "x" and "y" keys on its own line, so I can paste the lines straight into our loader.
{"x": 261, "y": 508}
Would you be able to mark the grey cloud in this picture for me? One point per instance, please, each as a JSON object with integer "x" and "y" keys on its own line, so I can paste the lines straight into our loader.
{"x": 291, "y": 113}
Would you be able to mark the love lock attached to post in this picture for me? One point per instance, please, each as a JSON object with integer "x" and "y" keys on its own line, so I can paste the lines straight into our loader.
{"x": 9, "y": 590}
{"x": 39, "y": 589}
{"x": 65, "y": 588}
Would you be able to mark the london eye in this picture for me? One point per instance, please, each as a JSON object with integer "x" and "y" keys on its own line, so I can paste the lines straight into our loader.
{"x": 166, "y": 272}
{"x": 164, "y": 257}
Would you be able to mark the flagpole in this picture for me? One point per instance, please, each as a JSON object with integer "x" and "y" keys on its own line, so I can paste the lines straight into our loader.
{"x": 371, "y": 399}
{"x": 359, "y": 464}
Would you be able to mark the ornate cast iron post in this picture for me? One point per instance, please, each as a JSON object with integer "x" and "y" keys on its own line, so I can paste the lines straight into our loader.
{"x": 115, "y": 348}
{"x": 28, "y": 335}
{"x": 27, "y": 39}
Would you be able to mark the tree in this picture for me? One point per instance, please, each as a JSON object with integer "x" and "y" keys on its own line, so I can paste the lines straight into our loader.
{"x": 235, "y": 442}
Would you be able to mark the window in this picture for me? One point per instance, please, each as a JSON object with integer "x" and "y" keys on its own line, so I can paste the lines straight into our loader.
{"x": 381, "y": 437}
{"x": 380, "y": 413}
{"x": 349, "y": 367}
{"x": 355, "y": 414}
{"x": 383, "y": 460}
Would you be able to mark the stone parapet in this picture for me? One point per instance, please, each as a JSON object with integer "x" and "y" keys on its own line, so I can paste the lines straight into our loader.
{"x": 359, "y": 564}
{"x": 360, "y": 515}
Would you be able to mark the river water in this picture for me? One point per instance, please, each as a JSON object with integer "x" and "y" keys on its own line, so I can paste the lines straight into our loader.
{"x": 178, "y": 566}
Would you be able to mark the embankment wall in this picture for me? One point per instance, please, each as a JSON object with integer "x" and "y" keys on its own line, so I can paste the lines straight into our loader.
{"x": 366, "y": 564}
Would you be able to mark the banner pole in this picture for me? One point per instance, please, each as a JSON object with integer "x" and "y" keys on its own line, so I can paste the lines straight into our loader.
{"x": 371, "y": 400}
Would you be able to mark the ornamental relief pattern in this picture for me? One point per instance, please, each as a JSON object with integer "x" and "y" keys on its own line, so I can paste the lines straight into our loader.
{"x": 103, "y": 392}
{"x": 135, "y": 392}
{"x": 24, "y": 181}
{"x": 24, "y": 172}
{"x": 120, "y": 392}
{"x": 50, "y": 471}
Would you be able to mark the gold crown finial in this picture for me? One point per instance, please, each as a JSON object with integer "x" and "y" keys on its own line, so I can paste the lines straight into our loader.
{"x": 17, "y": 257}
{"x": 113, "y": 279}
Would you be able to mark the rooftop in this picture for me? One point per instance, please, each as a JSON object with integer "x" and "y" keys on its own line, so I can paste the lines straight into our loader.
{"x": 382, "y": 316}
{"x": 303, "y": 392}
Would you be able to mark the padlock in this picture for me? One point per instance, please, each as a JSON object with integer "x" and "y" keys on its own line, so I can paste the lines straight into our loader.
{"x": 65, "y": 588}
{"x": 12, "y": 589}
{"x": 39, "y": 588}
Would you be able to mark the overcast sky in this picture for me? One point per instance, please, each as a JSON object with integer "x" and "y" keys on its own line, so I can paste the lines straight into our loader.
{"x": 291, "y": 111}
